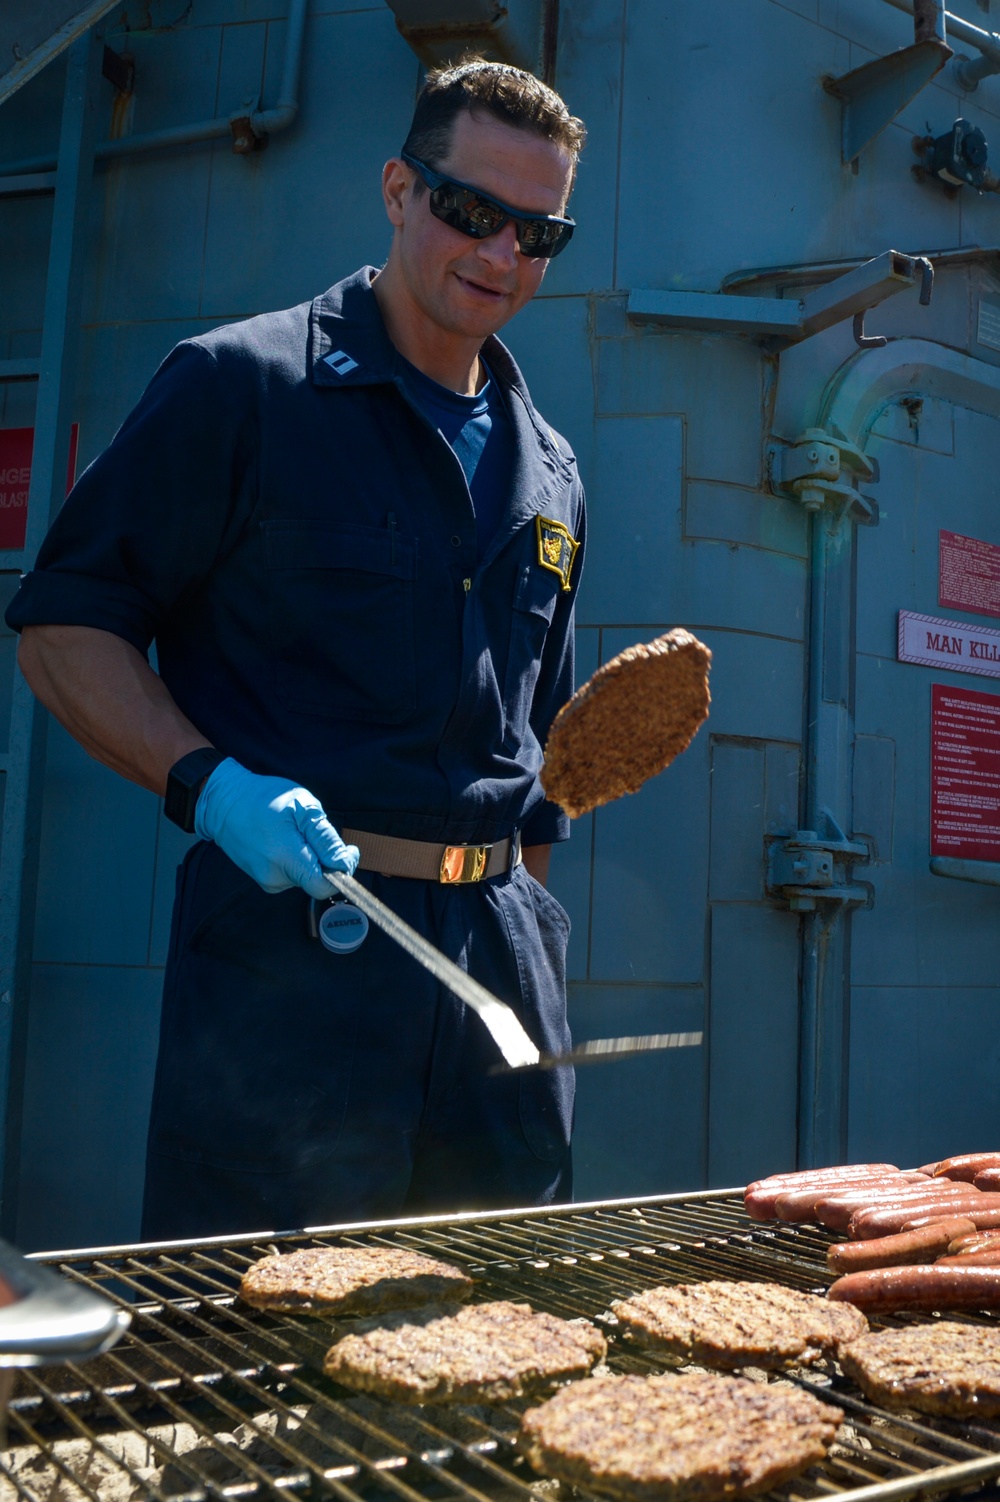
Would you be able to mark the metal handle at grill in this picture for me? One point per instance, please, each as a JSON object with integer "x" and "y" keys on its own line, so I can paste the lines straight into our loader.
{"x": 48, "y": 1318}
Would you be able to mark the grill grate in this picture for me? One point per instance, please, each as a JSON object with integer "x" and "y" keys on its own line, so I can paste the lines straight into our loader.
{"x": 204, "y": 1398}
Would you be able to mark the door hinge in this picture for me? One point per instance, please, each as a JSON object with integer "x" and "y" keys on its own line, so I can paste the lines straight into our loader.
{"x": 824, "y": 469}
{"x": 811, "y": 867}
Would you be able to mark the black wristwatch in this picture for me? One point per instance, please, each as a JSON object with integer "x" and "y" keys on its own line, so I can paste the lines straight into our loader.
{"x": 184, "y": 782}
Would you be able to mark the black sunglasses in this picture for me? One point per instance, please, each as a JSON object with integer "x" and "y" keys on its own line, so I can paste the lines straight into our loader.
{"x": 474, "y": 213}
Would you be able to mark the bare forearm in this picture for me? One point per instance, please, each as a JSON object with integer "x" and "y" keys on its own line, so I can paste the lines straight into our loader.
{"x": 536, "y": 860}
{"x": 107, "y": 696}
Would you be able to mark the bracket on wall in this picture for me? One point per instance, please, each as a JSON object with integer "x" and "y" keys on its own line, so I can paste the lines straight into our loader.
{"x": 810, "y": 867}
{"x": 822, "y": 469}
{"x": 786, "y": 320}
{"x": 873, "y": 95}
{"x": 439, "y": 31}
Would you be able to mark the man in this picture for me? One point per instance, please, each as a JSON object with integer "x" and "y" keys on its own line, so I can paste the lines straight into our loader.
{"x": 354, "y": 542}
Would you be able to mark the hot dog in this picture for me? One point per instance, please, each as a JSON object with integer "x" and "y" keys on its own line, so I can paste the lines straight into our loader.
{"x": 902, "y": 1250}
{"x": 884, "y": 1289}
{"x": 760, "y": 1196}
{"x": 971, "y": 1259}
{"x": 835, "y": 1210}
{"x": 988, "y": 1178}
{"x": 805, "y": 1176}
{"x": 887, "y": 1220}
{"x": 974, "y": 1241}
{"x": 984, "y": 1214}
{"x": 966, "y": 1165}
{"x": 804, "y": 1204}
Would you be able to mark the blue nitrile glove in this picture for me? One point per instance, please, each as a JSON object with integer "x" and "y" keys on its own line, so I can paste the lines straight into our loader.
{"x": 274, "y": 831}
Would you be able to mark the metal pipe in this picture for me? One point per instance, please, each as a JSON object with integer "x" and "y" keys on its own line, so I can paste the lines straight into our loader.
{"x": 969, "y": 72}
{"x": 929, "y": 18}
{"x": 268, "y": 122}
{"x": 986, "y": 873}
{"x": 825, "y": 938}
{"x": 814, "y": 665}
{"x": 550, "y": 41}
{"x": 262, "y": 122}
{"x": 809, "y": 1153}
{"x": 811, "y": 981}
{"x": 985, "y": 42}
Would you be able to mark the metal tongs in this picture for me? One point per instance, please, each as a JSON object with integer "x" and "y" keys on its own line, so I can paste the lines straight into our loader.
{"x": 513, "y": 1042}
{"x": 45, "y": 1317}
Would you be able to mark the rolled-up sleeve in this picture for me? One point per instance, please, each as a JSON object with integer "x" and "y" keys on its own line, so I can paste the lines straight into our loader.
{"x": 149, "y": 517}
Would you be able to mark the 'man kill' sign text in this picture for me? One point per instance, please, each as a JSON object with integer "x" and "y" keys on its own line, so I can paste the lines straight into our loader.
{"x": 968, "y": 573}
{"x": 948, "y": 644}
{"x": 965, "y": 773}
{"x": 15, "y": 477}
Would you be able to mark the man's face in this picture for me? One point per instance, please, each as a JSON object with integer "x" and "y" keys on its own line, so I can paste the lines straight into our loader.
{"x": 470, "y": 288}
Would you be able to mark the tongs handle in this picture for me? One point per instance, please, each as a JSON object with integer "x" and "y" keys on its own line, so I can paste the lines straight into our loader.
{"x": 607, "y": 1050}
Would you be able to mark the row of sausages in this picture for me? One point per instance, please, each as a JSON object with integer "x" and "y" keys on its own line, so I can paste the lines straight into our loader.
{"x": 926, "y": 1238}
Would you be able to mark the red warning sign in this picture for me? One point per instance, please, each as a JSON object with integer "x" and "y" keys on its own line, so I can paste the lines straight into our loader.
{"x": 965, "y": 773}
{"x": 968, "y": 573}
{"x": 15, "y": 477}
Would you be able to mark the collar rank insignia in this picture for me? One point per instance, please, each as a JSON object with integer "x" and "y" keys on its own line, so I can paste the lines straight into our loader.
{"x": 340, "y": 362}
{"x": 556, "y": 548}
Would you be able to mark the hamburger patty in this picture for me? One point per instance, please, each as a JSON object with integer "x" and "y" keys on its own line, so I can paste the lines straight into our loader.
{"x": 739, "y": 1324}
{"x": 697, "y": 1435}
{"x": 943, "y": 1368}
{"x": 481, "y": 1353}
{"x": 351, "y": 1280}
{"x": 628, "y": 722}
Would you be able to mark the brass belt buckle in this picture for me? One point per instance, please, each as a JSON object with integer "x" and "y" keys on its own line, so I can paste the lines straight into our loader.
{"x": 461, "y": 863}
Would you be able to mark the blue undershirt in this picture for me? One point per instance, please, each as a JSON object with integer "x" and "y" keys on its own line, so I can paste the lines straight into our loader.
{"x": 480, "y": 432}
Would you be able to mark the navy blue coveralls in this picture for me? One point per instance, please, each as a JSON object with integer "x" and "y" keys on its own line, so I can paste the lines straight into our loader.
{"x": 301, "y": 545}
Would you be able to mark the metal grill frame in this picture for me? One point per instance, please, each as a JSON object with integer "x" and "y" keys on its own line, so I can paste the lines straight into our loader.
{"x": 196, "y": 1357}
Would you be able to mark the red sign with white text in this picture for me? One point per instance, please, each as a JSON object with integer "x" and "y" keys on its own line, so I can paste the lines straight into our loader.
{"x": 16, "y": 445}
{"x": 965, "y": 773}
{"x": 968, "y": 573}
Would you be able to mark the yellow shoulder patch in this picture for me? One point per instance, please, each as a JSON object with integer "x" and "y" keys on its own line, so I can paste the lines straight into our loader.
{"x": 556, "y": 548}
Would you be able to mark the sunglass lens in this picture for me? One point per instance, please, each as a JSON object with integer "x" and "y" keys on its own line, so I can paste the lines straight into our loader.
{"x": 466, "y": 211}
{"x": 479, "y": 217}
{"x": 485, "y": 217}
{"x": 537, "y": 238}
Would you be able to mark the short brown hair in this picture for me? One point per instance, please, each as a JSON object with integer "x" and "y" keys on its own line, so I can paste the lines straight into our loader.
{"x": 509, "y": 94}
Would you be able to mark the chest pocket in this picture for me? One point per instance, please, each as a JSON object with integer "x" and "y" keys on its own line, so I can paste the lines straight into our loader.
{"x": 534, "y": 604}
{"x": 341, "y": 616}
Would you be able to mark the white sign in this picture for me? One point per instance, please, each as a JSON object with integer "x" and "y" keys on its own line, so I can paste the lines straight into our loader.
{"x": 954, "y": 645}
